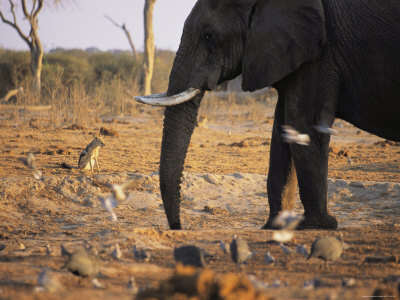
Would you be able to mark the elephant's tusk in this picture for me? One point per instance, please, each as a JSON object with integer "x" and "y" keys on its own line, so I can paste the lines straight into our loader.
{"x": 164, "y": 100}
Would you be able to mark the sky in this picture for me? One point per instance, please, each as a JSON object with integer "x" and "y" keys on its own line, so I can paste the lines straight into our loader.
{"x": 81, "y": 24}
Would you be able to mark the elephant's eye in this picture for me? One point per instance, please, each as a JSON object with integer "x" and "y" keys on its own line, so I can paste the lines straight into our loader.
{"x": 207, "y": 36}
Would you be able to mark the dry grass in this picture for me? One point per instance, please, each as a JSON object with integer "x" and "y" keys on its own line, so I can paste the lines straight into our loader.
{"x": 231, "y": 106}
{"x": 75, "y": 104}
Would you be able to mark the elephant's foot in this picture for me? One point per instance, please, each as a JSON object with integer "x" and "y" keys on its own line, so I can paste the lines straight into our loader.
{"x": 269, "y": 225}
{"x": 310, "y": 222}
{"x": 324, "y": 221}
{"x": 175, "y": 225}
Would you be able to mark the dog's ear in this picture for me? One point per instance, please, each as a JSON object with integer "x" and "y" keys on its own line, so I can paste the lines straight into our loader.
{"x": 281, "y": 36}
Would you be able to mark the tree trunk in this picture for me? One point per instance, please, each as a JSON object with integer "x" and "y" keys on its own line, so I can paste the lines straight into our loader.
{"x": 36, "y": 69}
{"x": 147, "y": 72}
{"x": 31, "y": 39}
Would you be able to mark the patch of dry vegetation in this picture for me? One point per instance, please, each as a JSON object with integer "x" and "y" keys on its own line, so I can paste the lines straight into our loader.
{"x": 82, "y": 87}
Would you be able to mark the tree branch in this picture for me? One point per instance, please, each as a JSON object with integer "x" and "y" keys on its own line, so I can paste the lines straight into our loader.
{"x": 13, "y": 11}
{"x": 24, "y": 10}
{"x": 14, "y": 24}
{"x": 38, "y": 9}
{"x": 112, "y": 21}
{"x": 128, "y": 35}
{"x": 33, "y": 7}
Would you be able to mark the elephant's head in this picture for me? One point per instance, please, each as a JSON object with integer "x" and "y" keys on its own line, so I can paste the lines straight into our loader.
{"x": 264, "y": 40}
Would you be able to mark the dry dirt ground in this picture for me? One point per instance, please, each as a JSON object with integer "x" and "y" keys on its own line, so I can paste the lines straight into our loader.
{"x": 224, "y": 194}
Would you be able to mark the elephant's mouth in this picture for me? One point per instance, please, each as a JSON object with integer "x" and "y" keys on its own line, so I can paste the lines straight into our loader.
{"x": 165, "y": 100}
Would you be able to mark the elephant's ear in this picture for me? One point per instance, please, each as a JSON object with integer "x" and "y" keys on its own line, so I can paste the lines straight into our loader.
{"x": 282, "y": 35}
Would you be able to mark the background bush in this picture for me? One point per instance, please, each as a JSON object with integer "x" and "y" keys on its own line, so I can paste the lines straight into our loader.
{"x": 89, "y": 69}
{"x": 82, "y": 85}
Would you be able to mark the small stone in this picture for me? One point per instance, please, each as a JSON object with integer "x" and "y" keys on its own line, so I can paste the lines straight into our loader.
{"x": 269, "y": 259}
{"x": 348, "y": 282}
{"x": 132, "y": 286}
{"x": 285, "y": 249}
{"x": 301, "y": 249}
{"x": 224, "y": 248}
{"x": 64, "y": 251}
{"x": 116, "y": 253}
{"x": 141, "y": 254}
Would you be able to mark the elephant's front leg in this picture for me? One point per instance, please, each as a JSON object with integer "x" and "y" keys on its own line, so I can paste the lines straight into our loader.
{"x": 282, "y": 182}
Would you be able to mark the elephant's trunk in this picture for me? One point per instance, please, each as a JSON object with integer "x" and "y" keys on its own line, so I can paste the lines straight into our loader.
{"x": 179, "y": 123}
{"x": 182, "y": 103}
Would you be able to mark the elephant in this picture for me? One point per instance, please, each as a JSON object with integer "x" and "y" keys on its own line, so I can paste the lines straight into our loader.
{"x": 327, "y": 59}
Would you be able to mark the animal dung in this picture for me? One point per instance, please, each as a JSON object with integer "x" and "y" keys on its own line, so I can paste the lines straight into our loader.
{"x": 108, "y": 132}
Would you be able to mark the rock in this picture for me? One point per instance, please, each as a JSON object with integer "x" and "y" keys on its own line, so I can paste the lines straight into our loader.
{"x": 269, "y": 259}
{"x": 141, "y": 254}
{"x": 301, "y": 249}
{"x": 116, "y": 253}
{"x": 224, "y": 248}
{"x": 189, "y": 256}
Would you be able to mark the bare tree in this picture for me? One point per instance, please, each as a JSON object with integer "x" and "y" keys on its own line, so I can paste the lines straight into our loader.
{"x": 32, "y": 39}
{"x": 147, "y": 72}
{"x": 128, "y": 35}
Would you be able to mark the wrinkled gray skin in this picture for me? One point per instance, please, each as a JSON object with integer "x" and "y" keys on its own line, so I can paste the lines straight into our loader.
{"x": 326, "y": 58}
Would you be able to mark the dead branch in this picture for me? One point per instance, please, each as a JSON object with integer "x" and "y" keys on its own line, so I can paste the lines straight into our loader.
{"x": 128, "y": 35}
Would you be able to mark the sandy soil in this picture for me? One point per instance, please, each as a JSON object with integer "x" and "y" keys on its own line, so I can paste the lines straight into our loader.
{"x": 224, "y": 194}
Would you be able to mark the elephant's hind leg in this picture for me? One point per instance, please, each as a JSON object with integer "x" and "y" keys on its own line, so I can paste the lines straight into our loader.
{"x": 311, "y": 164}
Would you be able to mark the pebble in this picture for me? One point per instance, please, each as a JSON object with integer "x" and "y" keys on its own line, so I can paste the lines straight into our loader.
{"x": 285, "y": 249}
{"x": 116, "y": 253}
{"x": 301, "y": 249}
{"x": 269, "y": 259}
{"x": 224, "y": 247}
{"x": 141, "y": 254}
